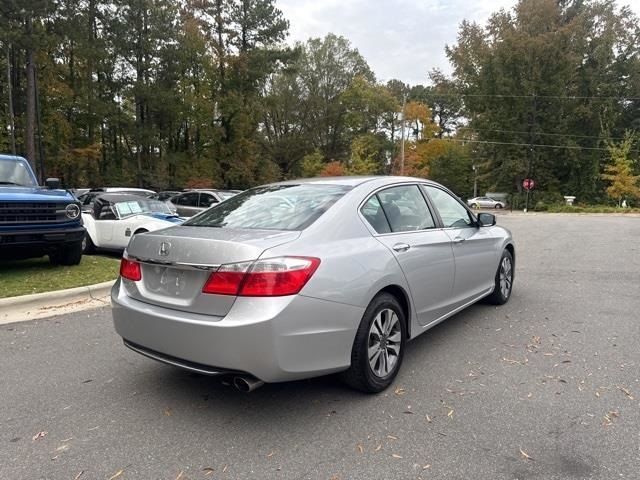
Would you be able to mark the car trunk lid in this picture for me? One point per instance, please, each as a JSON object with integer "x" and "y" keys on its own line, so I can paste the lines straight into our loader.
{"x": 176, "y": 263}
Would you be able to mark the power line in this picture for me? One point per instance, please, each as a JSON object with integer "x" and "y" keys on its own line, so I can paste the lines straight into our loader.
{"x": 569, "y": 147}
{"x": 540, "y": 133}
{"x": 556, "y": 97}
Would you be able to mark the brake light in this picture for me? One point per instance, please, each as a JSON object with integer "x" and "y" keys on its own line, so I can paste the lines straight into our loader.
{"x": 130, "y": 270}
{"x": 271, "y": 277}
{"x": 227, "y": 279}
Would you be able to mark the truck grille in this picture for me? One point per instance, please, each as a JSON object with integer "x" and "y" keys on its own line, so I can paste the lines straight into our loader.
{"x": 22, "y": 213}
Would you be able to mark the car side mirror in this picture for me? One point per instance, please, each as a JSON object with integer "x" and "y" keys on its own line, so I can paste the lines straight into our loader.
{"x": 486, "y": 219}
{"x": 52, "y": 183}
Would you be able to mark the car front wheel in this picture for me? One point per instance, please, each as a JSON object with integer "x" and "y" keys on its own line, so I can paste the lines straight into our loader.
{"x": 69, "y": 255}
{"x": 503, "y": 280}
{"x": 378, "y": 348}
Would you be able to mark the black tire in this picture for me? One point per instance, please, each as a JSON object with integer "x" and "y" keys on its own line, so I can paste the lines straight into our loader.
{"x": 70, "y": 254}
{"x": 475, "y": 206}
{"x": 499, "y": 297}
{"x": 498, "y": 205}
{"x": 87, "y": 244}
{"x": 360, "y": 374}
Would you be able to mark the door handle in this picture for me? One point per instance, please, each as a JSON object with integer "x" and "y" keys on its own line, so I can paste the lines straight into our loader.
{"x": 401, "y": 247}
{"x": 459, "y": 240}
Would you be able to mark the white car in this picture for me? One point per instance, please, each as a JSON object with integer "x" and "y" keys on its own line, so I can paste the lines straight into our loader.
{"x": 115, "y": 218}
{"x": 485, "y": 202}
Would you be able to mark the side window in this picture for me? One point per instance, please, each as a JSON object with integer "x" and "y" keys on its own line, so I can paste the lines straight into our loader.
{"x": 372, "y": 212}
{"x": 106, "y": 213}
{"x": 451, "y": 211}
{"x": 188, "y": 200}
{"x": 206, "y": 200}
{"x": 403, "y": 209}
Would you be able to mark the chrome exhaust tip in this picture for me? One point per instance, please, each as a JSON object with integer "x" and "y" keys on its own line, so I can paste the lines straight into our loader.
{"x": 247, "y": 384}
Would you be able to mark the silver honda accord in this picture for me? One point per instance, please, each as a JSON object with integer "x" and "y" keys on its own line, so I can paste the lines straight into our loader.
{"x": 309, "y": 277}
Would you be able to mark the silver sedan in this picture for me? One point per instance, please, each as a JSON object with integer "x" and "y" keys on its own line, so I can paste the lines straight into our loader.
{"x": 309, "y": 277}
{"x": 485, "y": 202}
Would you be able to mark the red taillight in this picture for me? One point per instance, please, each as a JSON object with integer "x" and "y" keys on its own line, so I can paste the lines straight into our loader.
{"x": 130, "y": 270}
{"x": 265, "y": 278}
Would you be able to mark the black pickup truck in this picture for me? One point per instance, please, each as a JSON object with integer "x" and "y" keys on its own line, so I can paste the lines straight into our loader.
{"x": 34, "y": 220}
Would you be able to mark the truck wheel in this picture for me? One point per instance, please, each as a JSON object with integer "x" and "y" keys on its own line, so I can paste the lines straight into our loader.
{"x": 68, "y": 255}
{"x": 87, "y": 244}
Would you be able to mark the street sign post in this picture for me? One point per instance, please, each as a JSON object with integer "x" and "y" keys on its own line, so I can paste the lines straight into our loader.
{"x": 528, "y": 184}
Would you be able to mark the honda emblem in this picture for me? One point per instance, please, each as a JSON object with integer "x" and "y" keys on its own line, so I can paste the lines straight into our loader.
{"x": 164, "y": 249}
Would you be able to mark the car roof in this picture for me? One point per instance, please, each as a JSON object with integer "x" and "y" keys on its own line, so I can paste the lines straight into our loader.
{"x": 118, "y": 197}
{"x": 352, "y": 181}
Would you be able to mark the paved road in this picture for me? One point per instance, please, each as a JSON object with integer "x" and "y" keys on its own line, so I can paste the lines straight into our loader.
{"x": 552, "y": 375}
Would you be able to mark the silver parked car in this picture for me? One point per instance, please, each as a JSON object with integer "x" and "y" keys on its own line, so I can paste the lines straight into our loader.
{"x": 485, "y": 202}
{"x": 190, "y": 203}
{"x": 309, "y": 277}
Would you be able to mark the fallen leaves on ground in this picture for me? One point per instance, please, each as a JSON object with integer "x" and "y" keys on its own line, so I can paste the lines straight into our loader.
{"x": 525, "y": 455}
{"x": 271, "y": 454}
{"x": 180, "y": 475}
{"x": 116, "y": 475}
{"x": 168, "y": 412}
{"x": 208, "y": 471}
{"x": 626, "y": 392}
{"x": 78, "y": 475}
{"x": 609, "y": 417}
{"x": 399, "y": 391}
{"x": 39, "y": 435}
{"x": 360, "y": 448}
{"x": 395, "y": 455}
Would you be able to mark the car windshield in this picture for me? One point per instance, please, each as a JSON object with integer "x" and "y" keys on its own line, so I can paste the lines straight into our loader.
{"x": 275, "y": 207}
{"x": 143, "y": 205}
{"x": 16, "y": 172}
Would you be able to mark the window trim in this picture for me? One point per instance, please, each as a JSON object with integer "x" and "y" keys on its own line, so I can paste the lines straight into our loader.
{"x": 474, "y": 219}
{"x": 436, "y": 218}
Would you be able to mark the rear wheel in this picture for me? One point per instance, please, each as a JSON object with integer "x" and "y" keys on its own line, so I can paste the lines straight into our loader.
{"x": 503, "y": 280}
{"x": 475, "y": 205}
{"x": 70, "y": 254}
{"x": 378, "y": 348}
{"x": 498, "y": 205}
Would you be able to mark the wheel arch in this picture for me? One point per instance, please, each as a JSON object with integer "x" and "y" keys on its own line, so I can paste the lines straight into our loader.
{"x": 403, "y": 298}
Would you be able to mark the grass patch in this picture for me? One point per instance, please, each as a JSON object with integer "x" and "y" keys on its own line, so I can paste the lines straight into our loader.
{"x": 586, "y": 209}
{"x": 37, "y": 275}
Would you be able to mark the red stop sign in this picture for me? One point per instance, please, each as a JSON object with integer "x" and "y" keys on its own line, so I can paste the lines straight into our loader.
{"x": 528, "y": 184}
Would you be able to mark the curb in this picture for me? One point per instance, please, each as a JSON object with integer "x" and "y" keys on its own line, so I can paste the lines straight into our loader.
{"x": 41, "y": 305}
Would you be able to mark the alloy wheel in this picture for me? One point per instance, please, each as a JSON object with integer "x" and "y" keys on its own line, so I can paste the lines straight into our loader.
{"x": 506, "y": 276}
{"x": 384, "y": 343}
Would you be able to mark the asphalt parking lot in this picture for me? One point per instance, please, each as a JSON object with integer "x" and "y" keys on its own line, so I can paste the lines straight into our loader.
{"x": 545, "y": 387}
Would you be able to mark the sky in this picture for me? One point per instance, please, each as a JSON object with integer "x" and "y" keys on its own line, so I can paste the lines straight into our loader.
{"x": 401, "y": 39}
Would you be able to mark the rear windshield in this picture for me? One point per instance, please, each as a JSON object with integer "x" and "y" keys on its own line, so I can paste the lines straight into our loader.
{"x": 276, "y": 207}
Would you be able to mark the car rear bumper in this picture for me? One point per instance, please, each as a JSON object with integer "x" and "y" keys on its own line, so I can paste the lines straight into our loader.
{"x": 275, "y": 339}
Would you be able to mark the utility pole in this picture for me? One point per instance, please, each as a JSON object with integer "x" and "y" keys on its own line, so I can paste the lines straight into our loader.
{"x": 532, "y": 138}
{"x": 475, "y": 181}
{"x": 404, "y": 104}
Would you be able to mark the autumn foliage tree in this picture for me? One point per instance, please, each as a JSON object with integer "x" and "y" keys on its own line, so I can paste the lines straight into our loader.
{"x": 623, "y": 183}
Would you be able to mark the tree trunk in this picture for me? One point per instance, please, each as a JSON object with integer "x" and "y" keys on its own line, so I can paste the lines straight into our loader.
{"x": 30, "y": 127}
{"x": 12, "y": 125}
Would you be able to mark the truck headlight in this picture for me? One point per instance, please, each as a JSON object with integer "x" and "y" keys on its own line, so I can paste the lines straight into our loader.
{"x": 72, "y": 211}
